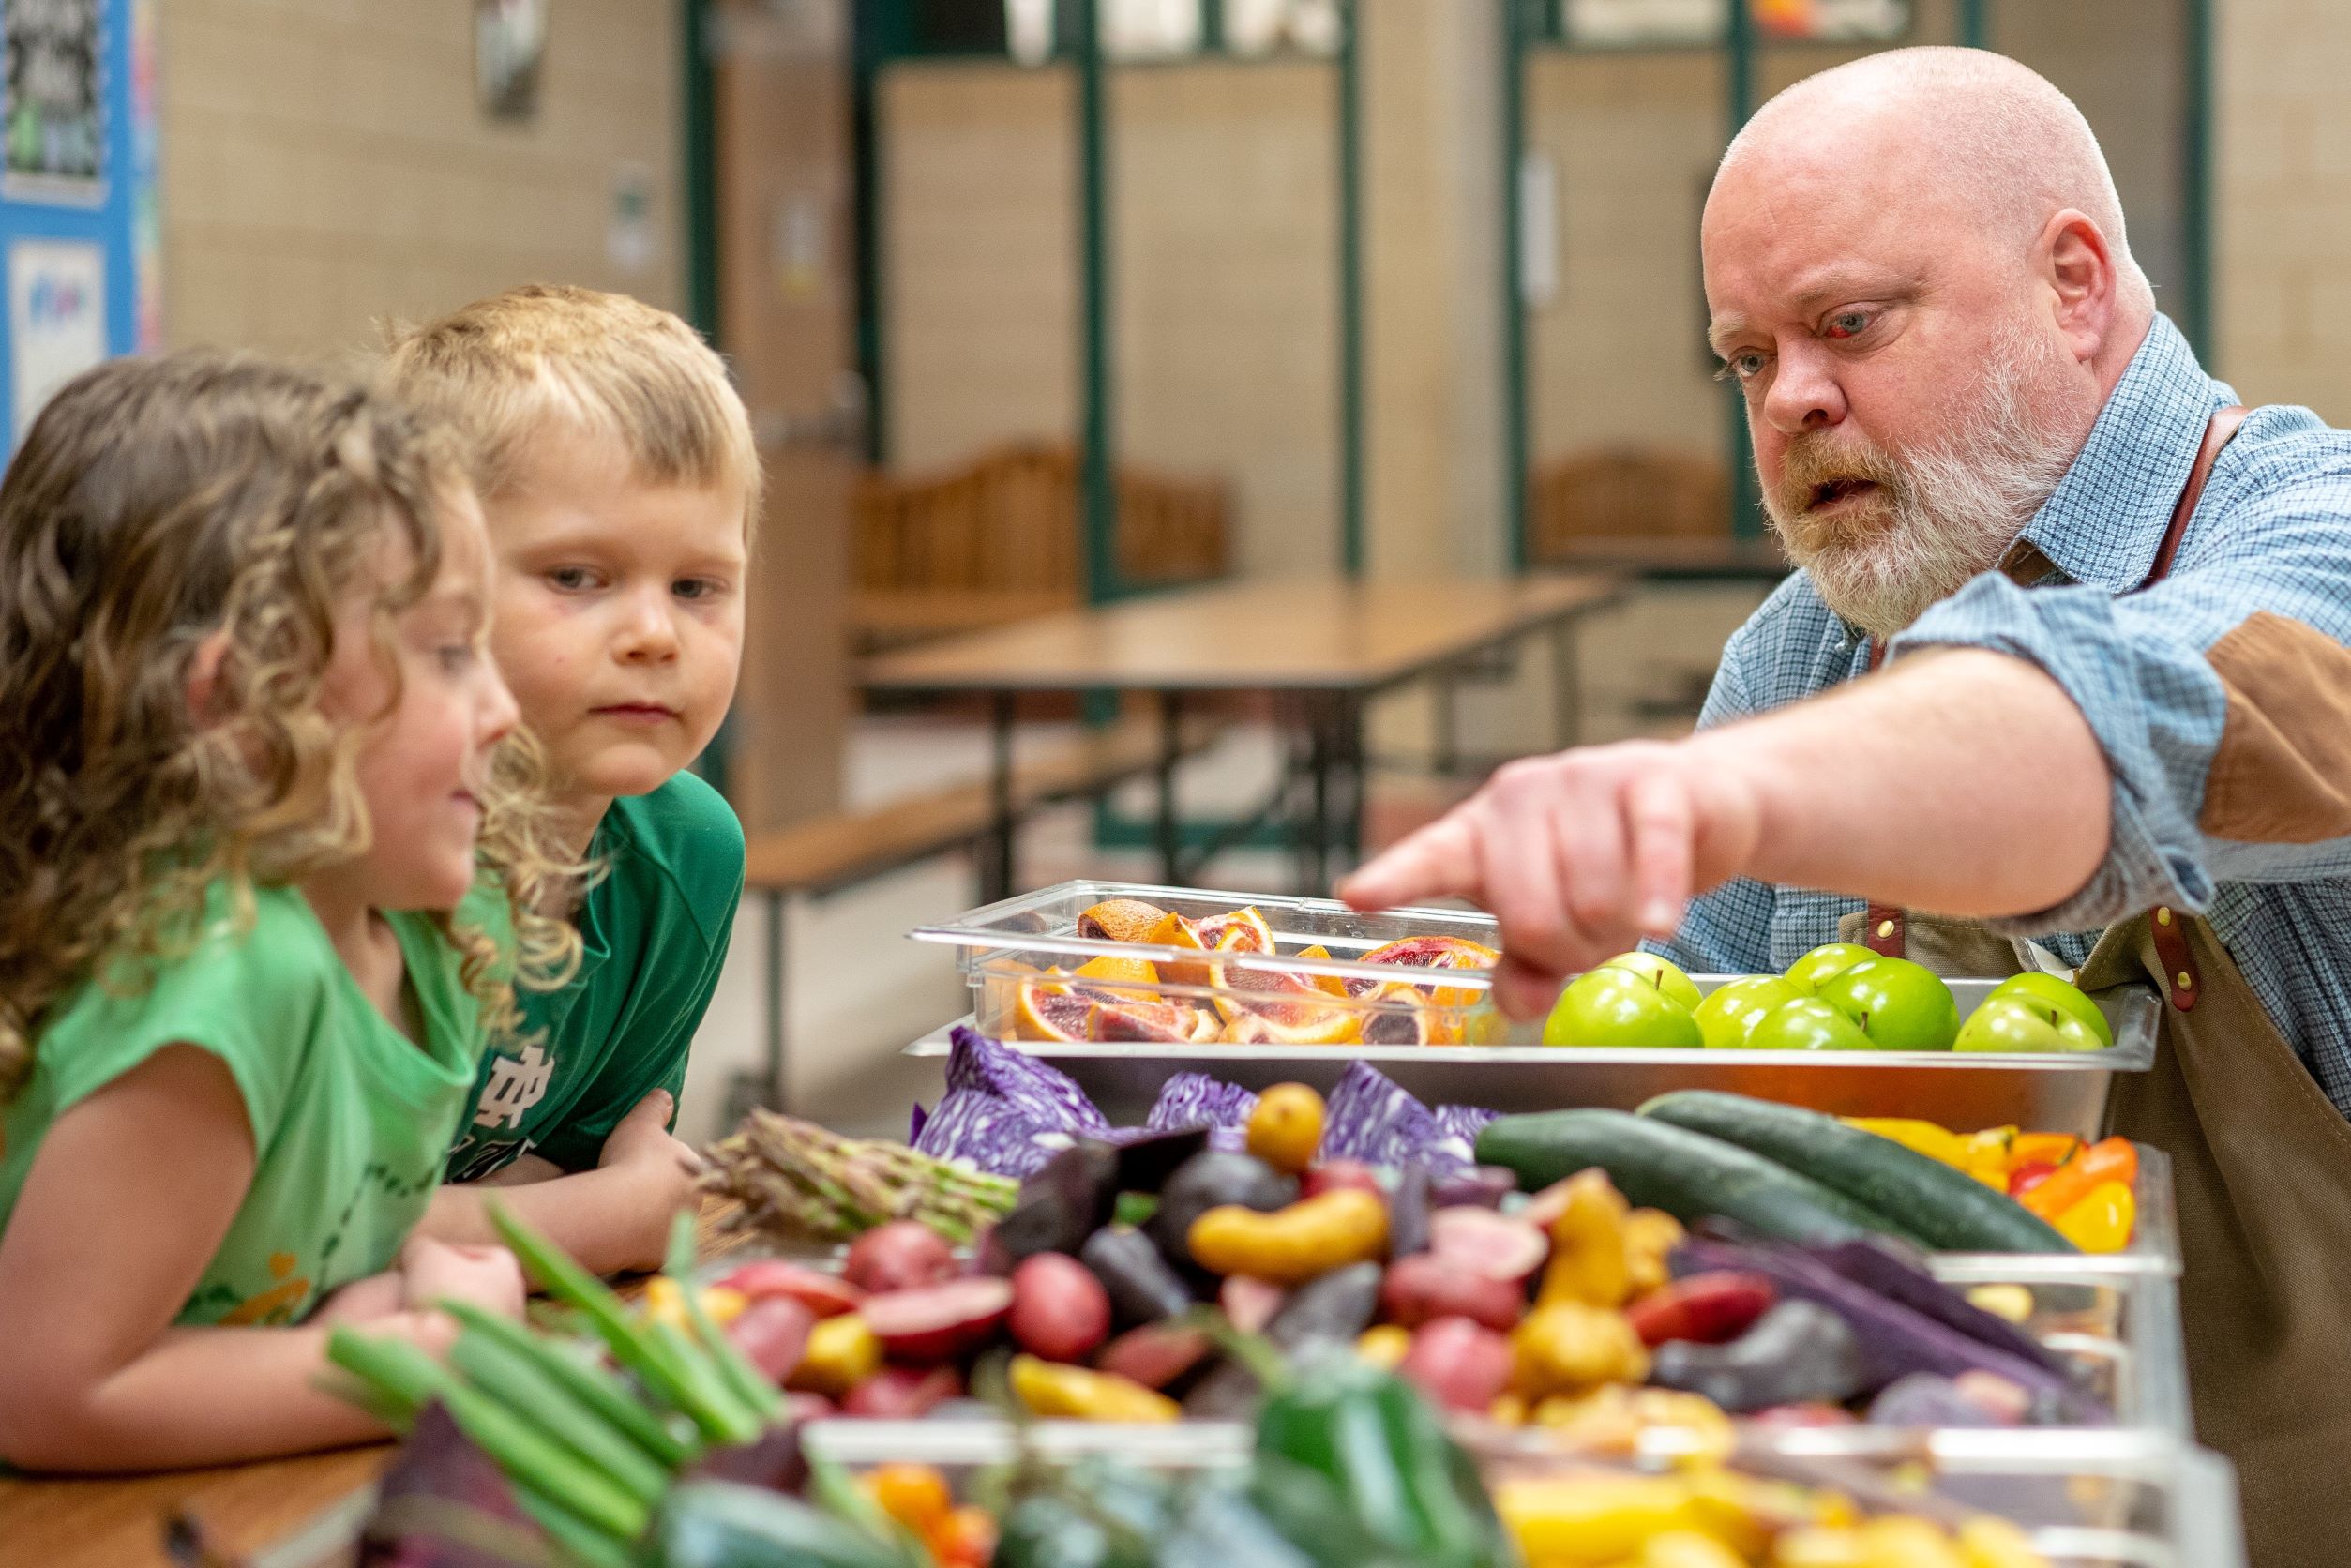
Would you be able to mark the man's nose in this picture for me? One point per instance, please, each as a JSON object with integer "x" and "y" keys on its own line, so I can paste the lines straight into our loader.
{"x": 1803, "y": 395}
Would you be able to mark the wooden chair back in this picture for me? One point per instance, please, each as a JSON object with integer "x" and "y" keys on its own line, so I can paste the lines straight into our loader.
{"x": 1625, "y": 492}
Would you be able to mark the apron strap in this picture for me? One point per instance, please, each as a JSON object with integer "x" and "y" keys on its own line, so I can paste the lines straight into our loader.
{"x": 1885, "y": 931}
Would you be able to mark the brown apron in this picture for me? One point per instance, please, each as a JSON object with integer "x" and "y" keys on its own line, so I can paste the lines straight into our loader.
{"x": 2262, "y": 1164}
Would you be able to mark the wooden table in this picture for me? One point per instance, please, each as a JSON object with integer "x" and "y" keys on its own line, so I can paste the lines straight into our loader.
{"x": 1711, "y": 555}
{"x": 297, "y": 1513}
{"x": 1322, "y": 647}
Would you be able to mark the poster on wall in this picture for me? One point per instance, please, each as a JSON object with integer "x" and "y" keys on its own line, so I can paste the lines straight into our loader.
{"x": 55, "y": 101}
{"x": 56, "y": 318}
{"x": 1653, "y": 24}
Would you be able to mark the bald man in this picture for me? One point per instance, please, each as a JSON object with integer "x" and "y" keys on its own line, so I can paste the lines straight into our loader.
{"x": 2115, "y": 713}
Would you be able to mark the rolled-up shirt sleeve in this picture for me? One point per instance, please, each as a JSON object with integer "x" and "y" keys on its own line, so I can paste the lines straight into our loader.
{"x": 2221, "y": 698}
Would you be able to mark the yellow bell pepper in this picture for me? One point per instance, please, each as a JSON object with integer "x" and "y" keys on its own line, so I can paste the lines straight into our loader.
{"x": 1821, "y": 1546}
{"x": 664, "y": 1302}
{"x": 1925, "y": 1138}
{"x": 1688, "y": 1548}
{"x": 1586, "y": 1521}
{"x": 723, "y": 1304}
{"x": 1990, "y": 1155}
{"x": 1650, "y": 1237}
{"x": 2103, "y": 1220}
{"x": 1906, "y": 1543}
{"x": 2010, "y": 1303}
{"x": 1075, "y": 1392}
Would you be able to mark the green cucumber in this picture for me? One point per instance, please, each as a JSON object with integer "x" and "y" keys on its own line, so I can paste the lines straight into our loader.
{"x": 1689, "y": 1175}
{"x": 1946, "y": 1208}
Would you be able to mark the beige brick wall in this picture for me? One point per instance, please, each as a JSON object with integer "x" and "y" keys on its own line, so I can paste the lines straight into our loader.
{"x": 2282, "y": 178}
{"x": 325, "y": 163}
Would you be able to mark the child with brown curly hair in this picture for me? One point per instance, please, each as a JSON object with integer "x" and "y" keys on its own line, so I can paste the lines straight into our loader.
{"x": 266, "y": 874}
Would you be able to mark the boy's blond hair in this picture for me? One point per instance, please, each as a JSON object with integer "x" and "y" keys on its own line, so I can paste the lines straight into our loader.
{"x": 503, "y": 371}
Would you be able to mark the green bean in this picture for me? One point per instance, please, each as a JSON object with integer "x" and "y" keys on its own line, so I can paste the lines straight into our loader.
{"x": 593, "y": 1385}
{"x": 743, "y": 1380}
{"x": 737, "y": 1421}
{"x": 575, "y": 1540}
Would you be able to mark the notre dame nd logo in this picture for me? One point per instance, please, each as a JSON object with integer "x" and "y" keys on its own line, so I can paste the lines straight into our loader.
{"x": 515, "y": 1084}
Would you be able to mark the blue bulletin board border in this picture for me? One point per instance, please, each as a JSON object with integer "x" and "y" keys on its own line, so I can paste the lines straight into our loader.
{"x": 123, "y": 221}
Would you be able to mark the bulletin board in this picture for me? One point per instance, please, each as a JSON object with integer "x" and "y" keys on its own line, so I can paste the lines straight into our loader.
{"x": 79, "y": 241}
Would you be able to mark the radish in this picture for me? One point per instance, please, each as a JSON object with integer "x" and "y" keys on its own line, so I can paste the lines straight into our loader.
{"x": 1491, "y": 1245}
{"x": 937, "y": 1322}
{"x": 772, "y": 1334}
{"x": 823, "y": 1294}
{"x": 1154, "y": 1355}
{"x": 899, "y": 1256}
{"x": 902, "y": 1393}
{"x": 1059, "y": 1311}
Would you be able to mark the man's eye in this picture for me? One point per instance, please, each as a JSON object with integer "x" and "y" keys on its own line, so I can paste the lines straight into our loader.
{"x": 1745, "y": 366}
{"x": 1846, "y": 323}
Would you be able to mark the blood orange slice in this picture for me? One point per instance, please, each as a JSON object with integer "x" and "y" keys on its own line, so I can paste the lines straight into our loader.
{"x": 1276, "y": 1007}
{"x": 1120, "y": 920}
{"x": 1046, "y": 1008}
{"x": 1335, "y": 984}
{"x": 1163, "y": 1021}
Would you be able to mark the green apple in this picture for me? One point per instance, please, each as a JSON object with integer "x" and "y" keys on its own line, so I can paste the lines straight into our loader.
{"x": 1807, "y": 1024}
{"x": 2048, "y": 990}
{"x": 1730, "y": 1013}
{"x": 1659, "y": 972}
{"x": 1615, "y": 1007}
{"x": 2018, "y": 1022}
{"x": 1899, "y": 1005}
{"x": 1825, "y": 962}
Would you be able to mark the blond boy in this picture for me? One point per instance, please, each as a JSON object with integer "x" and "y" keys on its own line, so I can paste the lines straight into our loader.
{"x": 619, "y": 479}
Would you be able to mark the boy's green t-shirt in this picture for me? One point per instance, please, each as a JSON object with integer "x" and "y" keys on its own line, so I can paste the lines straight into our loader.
{"x": 653, "y": 937}
{"x": 350, "y": 1117}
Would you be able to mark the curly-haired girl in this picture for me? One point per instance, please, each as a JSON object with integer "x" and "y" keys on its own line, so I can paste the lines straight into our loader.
{"x": 266, "y": 874}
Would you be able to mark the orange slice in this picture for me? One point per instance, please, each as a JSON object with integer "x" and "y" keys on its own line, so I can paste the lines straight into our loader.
{"x": 1120, "y": 920}
{"x": 1140, "y": 1021}
{"x": 1128, "y": 977}
{"x": 1242, "y": 931}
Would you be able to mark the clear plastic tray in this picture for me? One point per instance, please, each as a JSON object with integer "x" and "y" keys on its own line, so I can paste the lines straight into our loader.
{"x": 1450, "y": 1044}
{"x": 2088, "y": 1500}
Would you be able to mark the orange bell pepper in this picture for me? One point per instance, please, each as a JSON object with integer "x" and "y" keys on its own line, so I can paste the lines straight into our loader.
{"x": 2114, "y": 1159}
{"x": 2047, "y": 1148}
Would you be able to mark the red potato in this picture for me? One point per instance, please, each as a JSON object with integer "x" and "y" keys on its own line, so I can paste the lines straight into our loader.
{"x": 902, "y": 1393}
{"x": 1332, "y": 1175}
{"x": 801, "y": 1405}
{"x": 772, "y": 1334}
{"x": 824, "y": 1295}
{"x": 1250, "y": 1302}
{"x": 1484, "y": 1242}
{"x": 1785, "y": 1418}
{"x": 1060, "y": 1310}
{"x": 1424, "y": 1287}
{"x": 1154, "y": 1355}
{"x": 937, "y": 1323}
{"x": 903, "y": 1255}
{"x": 1458, "y": 1364}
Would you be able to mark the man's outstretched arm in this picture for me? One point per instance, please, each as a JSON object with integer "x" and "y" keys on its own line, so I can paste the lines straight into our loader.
{"x": 1957, "y": 780}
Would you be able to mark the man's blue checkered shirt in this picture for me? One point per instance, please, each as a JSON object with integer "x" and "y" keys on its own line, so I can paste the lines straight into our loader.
{"x": 2273, "y": 532}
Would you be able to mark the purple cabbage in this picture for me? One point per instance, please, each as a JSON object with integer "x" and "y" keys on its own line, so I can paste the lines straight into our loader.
{"x": 1004, "y": 1110}
{"x": 1369, "y": 1117}
{"x": 1198, "y": 1100}
{"x": 1464, "y": 1121}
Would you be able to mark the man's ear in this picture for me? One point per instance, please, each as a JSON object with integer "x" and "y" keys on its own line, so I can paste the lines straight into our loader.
{"x": 2079, "y": 269}
{"x": 203, "y": 675}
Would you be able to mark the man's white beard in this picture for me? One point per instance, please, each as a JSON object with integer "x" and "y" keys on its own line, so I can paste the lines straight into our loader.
{"x": 1944, "y": 513}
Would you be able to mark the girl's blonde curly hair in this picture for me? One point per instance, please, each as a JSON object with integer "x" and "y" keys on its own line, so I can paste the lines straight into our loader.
{"x": 159, "y": 505}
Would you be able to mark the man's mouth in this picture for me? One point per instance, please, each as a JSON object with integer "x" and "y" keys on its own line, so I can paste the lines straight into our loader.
{"x": 1833, "y": 492}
